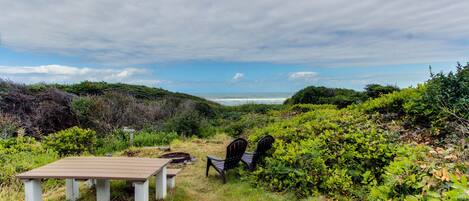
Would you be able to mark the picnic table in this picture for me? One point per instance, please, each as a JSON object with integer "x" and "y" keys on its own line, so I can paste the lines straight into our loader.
{"x": 102, "y": 170}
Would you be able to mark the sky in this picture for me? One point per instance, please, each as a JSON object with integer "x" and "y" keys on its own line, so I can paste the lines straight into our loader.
{"x": 209, "y": 46}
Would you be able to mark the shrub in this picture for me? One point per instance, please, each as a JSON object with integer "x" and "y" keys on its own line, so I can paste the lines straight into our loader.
{"x": 71, "y": 141}
{"x": 420, "y": 173}
{"x": 21, "y": 154}
{"x": 39, "y": 112}
{"x": 440, "y": 105}
{"x": 113, "y": 110}
{"x": 376, "y": 90}
{"x": 9, "y": 126}
{"x": 303, "y": 108}
{"x": 323, "y": 95}
{"x": 246, "y": 122}
{"x": 186, "y": 124}
{"x": 335, "y": 152}
{"x": 447, "y": 95}
{"x": 252, "y": 108}
{"x": 393, "y": 103}
{"x": 403, "y": 177}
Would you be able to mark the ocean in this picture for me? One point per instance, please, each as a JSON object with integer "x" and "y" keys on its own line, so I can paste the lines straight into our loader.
{"x": 232, "y": 99}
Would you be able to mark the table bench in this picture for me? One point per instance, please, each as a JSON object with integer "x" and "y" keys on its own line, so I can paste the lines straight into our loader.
{"x": 101, "y": 169}
{"x": 171, "y": 175}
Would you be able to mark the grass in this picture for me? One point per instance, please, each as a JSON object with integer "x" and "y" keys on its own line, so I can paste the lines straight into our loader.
{"x": 191, "y": 183}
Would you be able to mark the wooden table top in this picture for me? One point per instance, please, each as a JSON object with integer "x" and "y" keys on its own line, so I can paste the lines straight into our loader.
{"x": 119, "y": 168}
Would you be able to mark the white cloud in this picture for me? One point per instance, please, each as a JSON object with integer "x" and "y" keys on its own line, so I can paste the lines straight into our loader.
{"x": 238, "y": 77}
{"x": 327, "y": 33}
{"x": 308, "y": 76}
{"x": 70, "y": 74}
{"x": 44, "y": 69}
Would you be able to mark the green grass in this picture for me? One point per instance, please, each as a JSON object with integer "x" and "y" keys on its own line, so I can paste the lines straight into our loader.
{"x": 120, "y": 141}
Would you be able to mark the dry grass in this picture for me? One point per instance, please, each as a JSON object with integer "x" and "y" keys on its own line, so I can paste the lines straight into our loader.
{"x": 191, "y": 183}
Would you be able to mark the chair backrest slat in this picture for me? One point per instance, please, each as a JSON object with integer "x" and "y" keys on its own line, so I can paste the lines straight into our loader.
{"x": 263, "y": 145}
{"x": 234, "y": 152}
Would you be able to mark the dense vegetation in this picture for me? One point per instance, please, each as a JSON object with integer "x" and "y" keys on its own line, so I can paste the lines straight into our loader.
{"x": 336, "y": 96}
{"x": 44, "y": 109}
{"x": 383, "y": 143}
{"x": 368, "y": 151}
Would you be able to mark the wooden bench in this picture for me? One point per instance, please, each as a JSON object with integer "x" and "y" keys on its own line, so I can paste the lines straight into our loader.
{"x": 171, "y": 177}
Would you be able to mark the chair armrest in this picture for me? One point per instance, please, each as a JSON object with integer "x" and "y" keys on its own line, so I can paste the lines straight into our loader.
{"x": 214, "y": 158}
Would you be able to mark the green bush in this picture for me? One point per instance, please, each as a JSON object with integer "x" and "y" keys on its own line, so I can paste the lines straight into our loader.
{"x": 334, "y": 152}
{"x": 376, "y": 90}
{"x": 441, "y": 105}
{"x": 186, "y": 124}
{"x": 393, "y": 103}
{"x": 252, "y": 108}
{"x": 347, "y": 156}
{"x": 323, "y": 95}
{"x": 246, "y": 122}
{"x": 303, "y": 108}
{"x": 448, "y": 96}
{"x": 110, "y": 144}
{"x": 21, "y": 154}
{"x": 403, "y": 177}
{"x": 71, "y": 141}
{"x": 420, "y": 173}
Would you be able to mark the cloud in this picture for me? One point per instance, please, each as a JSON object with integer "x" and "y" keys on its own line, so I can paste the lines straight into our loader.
{"x": 306, "y": 76}
{"x": 238, "y": 77}
{"x": 70, "y": 74}
{"x": 44, "y": 69}
{"x": 326, "y": 33}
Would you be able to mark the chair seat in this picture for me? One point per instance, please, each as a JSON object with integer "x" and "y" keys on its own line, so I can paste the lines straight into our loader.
{"x": 220, "y": 165}
{"x": 247, "y": 157}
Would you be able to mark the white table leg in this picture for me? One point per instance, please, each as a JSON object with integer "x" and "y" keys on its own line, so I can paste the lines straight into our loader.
{"x": 33, "y": 190}
{"x": 103, "y": 190}
{"x": 171, "y": 182}
{"x": 161, "y": 184}
{"x": 72, "y": 189}
{"x": 141, "y": 191}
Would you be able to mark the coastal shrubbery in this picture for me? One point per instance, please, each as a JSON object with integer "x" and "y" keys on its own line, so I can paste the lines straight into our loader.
{"x": 327, "y": 151}
{"x": 439, "y": 106}
{"x": 323, "y": 95}
{"x": 21, "y": 154}
{"x": 37, "y": 111}
{"x": 376, "y": 90}
{"x": 43, "y": 109}
{"x": 337, "y": 96}
{"x": 71, "y": 141}
{"x": 362, "y": 152}
{"x": 347, "y": 155}
{"x": 381, "y": 144}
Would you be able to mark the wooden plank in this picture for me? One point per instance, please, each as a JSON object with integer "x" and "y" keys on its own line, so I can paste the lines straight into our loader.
{"x": 125, "y": 168}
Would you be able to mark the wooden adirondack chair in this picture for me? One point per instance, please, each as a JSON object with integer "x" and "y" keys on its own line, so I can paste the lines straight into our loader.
{"x": 263, "y": 145}
{"x": 234, "y": 152}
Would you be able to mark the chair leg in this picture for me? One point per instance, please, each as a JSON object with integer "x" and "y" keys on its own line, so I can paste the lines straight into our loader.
{"x": 208, "y": 167}
{"x": 223, "y": 177}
